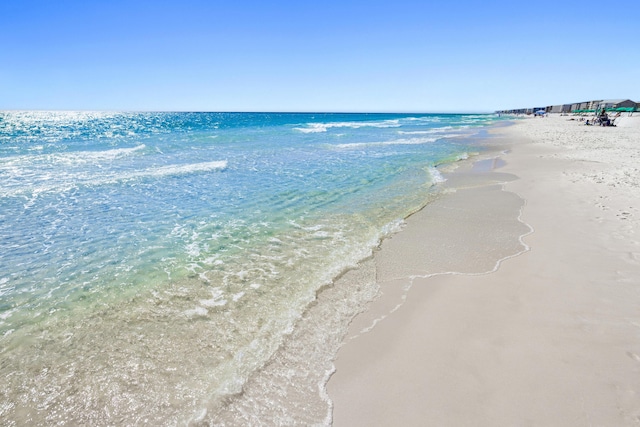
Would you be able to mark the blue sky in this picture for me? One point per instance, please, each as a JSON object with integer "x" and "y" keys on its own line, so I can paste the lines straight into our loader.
{"x": 315, "y": 56}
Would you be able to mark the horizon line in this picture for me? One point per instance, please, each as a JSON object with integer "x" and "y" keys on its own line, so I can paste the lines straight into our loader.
{"x": 248, "y": 111}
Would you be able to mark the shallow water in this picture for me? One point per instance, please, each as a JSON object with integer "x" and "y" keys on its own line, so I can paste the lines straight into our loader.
{"x": 152, "y": 263}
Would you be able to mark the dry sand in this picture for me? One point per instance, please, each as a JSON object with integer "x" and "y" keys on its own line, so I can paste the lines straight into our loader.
{"x": 550, "y": 336}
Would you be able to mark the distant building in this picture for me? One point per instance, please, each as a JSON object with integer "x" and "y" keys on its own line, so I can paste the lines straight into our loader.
{"x": 578, "y": 107}
{"x": 593, "y": 105}
{"x": 616, "y": 103}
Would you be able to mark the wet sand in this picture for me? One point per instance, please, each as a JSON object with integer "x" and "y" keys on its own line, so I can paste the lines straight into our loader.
{"x": 513, "y": 300}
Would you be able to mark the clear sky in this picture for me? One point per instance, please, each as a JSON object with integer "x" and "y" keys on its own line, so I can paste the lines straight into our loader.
{"x": 245, "y": 55}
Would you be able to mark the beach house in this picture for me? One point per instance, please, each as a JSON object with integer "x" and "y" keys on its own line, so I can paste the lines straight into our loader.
{"x": 616, "y": 103}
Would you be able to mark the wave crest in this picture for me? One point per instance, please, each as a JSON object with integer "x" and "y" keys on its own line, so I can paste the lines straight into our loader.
{"x": 410, "y": 141}
{"x": 323, "y": 127}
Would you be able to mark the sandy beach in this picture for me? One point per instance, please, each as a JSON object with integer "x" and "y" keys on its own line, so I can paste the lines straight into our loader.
{"x": 536, "y": 319}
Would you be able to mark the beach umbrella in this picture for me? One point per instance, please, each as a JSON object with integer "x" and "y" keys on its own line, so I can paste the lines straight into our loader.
{"x": 540, "y": 112}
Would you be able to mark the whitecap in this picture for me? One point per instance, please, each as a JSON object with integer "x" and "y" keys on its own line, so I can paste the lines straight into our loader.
{"x": 323, "y": 127}
{"x": 425, "y": 132}
{"x": 410, "y": 141}
{"x": 68, "y": 180}
{"x": 178, "y": 170}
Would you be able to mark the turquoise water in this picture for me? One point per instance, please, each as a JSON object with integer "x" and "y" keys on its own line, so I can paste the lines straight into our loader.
{"x": 152, "y": 262}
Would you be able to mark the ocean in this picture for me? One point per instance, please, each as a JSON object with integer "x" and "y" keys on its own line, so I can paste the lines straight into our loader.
{"x": 155, "y": 266}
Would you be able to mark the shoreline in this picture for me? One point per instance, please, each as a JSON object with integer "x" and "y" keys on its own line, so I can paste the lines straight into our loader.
{"x": 321, "y": 331}
{"x": 255, "y": 320}
{"x": 508, "y": 347}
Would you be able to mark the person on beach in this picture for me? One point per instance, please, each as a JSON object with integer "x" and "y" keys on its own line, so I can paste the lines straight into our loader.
{"x": 604, "y": 118}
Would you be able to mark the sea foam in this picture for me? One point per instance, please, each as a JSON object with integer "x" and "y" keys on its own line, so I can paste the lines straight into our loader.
{"x": 323, "y": 127}
{"x": 409, "y": 141}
